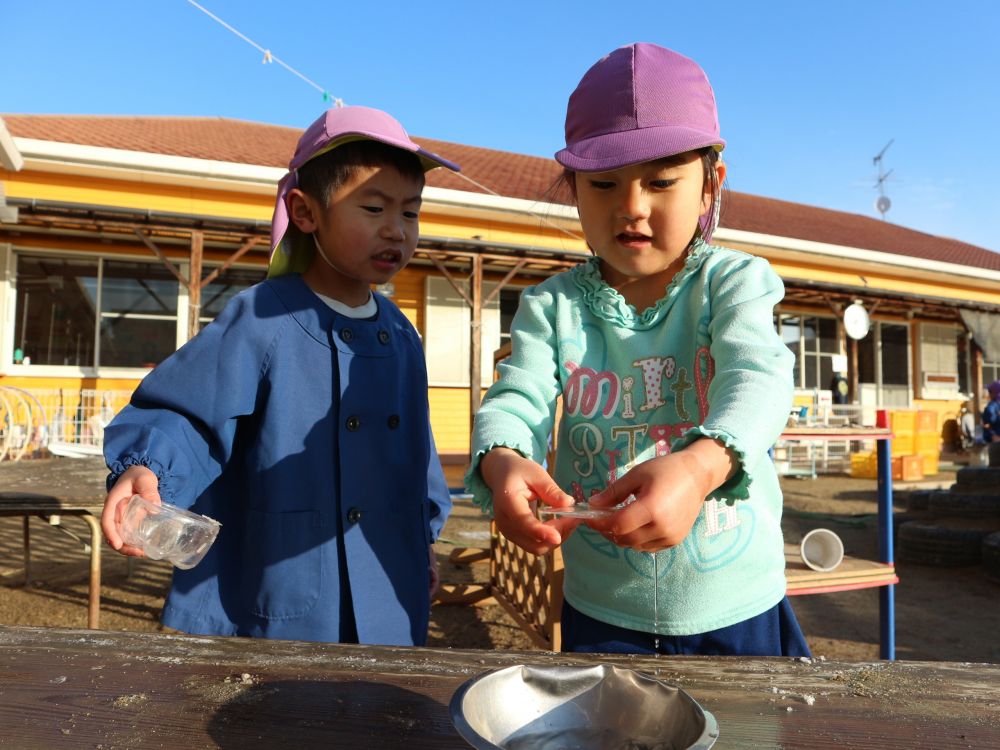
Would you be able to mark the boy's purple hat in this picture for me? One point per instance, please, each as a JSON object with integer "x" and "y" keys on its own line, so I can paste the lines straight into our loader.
{"x": 334, "y": 128}
{"x": 639, "y": 103}
{"x": 994, "y": 389}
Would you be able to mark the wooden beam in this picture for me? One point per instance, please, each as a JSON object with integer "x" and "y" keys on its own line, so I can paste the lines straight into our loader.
{"x": 503, "y": 282}
{"x": 160, "y": 254}
{"x": 243, "y": 250}
{"x": 194, "y": 288}
{"x": 451, "y": 280}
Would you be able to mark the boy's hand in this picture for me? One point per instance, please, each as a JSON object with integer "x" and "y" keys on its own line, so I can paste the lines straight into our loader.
{"x": 136, "y": 480}
{"x": 669, "y": 492}
{"x": 515, "y": 481}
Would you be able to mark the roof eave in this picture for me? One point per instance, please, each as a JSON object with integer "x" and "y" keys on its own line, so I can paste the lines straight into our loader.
{"x": 10, "y": 156}
{"x": 933, "y": 268}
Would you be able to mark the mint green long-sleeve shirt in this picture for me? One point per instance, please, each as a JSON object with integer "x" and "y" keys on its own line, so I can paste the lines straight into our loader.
{"x": 705, "y": 361}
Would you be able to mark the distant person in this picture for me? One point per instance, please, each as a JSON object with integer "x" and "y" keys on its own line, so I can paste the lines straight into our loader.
{"x": 299, "y": 417}
{"x": 969, "y": 434}
{"x": 840, "y": 388}
{"x": 674, "y": 385}
{"x": 991, "y": 414}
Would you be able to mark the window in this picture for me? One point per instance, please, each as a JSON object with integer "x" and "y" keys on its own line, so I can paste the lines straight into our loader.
{"x": 88, "y": 312}
{"x": 939, "y": 360}
{"x": 55, "y": 311}
{"x": 448, "y": 323}
{"x": 223, "y": 288}
{"x": 138, "y": 303}
{"x": 813, "y": 341}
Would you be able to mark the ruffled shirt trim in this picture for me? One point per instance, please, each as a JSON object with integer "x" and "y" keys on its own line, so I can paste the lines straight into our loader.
{"x": 609, "y": 305}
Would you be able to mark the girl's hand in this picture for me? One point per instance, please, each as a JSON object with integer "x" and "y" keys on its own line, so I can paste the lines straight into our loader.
{"x": 515, "y": 481}
{"x": 136, "y": 480}
{"x": 669, "y": 492}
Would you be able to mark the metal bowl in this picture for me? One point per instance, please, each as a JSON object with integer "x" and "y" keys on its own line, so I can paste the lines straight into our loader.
{"x": 578, "y": 708}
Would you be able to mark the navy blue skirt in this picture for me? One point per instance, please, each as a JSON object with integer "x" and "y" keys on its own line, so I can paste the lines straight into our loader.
{"x": 775, "y": 632}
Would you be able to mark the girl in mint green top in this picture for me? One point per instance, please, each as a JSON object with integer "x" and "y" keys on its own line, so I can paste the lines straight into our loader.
{"x": 674, "y": 384}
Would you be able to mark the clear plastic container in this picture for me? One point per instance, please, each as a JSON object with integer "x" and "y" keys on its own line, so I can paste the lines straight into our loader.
{"x": 166, "y": 532}
{"x": 582, "y": 510}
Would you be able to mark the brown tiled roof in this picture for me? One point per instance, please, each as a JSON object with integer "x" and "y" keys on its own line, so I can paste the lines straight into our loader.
{"x": 507, "y": 174}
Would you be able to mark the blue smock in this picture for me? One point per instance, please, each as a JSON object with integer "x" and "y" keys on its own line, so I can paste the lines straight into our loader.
{"x": 307, "y": 435}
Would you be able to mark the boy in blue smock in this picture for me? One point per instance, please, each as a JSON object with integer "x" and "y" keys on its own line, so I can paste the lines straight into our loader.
{"x": 299, "y": 417}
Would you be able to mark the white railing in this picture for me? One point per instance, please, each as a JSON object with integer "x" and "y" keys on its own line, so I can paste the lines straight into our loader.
{"x": 61, "y": 422}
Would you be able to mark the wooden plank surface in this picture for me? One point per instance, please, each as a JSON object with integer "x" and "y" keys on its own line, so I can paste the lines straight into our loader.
{"x": 77, "y": 688}
{"x": 835, "y": 433}
{"x": 850, "y": 569}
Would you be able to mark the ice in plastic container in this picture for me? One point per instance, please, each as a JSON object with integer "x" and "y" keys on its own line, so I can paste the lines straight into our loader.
{"x": 166, "y": 532}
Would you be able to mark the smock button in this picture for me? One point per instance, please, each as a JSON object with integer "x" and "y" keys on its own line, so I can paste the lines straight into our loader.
{"x": 383, "y": 336}
{"x": 353, "y": 423}
{"x": 347, "y": 334}
{"x": 354, "y": 515}
{"x": 393, "y": 421}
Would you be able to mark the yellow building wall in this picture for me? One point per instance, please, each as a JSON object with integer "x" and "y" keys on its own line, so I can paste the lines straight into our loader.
{"x": 449, "y": 406}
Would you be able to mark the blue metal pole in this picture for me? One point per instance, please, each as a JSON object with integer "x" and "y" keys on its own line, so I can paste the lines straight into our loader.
{"x": 887, "y": 594}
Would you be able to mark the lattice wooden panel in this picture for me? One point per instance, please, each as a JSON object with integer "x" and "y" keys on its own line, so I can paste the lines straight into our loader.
{"x": 529, "y": 587}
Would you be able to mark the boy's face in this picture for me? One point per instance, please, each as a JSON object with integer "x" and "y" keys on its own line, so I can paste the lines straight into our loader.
{"x": 368, "y": 232}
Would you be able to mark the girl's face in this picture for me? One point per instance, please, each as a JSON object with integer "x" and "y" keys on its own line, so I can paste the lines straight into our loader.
{"x": 639, "y": 220}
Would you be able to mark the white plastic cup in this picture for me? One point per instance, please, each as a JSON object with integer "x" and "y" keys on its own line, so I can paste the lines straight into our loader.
{"x": 166, "y": 532}
{"x": 822, "y": 550}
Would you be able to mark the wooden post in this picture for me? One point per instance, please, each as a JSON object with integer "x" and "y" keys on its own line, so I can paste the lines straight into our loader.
{"x": 194, "y": 285}
{"x": 853, "y": 395}
{"x": 977, "y": 380}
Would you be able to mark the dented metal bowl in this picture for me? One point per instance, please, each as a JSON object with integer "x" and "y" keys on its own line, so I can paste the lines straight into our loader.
{"x": 602, "y": 707}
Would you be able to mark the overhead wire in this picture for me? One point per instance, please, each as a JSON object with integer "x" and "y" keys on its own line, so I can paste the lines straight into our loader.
{"x": 270, "y": 57}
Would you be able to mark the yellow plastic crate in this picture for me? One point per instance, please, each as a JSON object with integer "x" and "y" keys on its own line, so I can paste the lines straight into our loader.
{"x": 927, "y": 421}
{"x": 928, "y": 442}
{"x": 902, "y": 422}
{"x": 903, "y": 445}
{"x": 931, "y": 461}
{"x": 864, "y": 465}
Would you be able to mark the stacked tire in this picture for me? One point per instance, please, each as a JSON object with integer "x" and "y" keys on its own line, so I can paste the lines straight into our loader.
{"x": 955, "y": 527}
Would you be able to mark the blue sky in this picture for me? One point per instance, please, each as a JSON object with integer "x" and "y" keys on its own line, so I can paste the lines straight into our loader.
{"x": 808, "y": 92}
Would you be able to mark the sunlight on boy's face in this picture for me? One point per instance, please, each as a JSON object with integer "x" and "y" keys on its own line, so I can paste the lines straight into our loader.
{"x": 640, "y": 219}
{"x": 368, "y": 231}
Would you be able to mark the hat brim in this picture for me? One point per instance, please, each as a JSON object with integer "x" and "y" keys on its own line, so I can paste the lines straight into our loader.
{"x": 428, "y": 159}
{"x": 610, "y": 151}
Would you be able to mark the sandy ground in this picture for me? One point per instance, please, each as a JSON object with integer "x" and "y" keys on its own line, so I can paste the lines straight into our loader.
{"x": 947, "y": 614}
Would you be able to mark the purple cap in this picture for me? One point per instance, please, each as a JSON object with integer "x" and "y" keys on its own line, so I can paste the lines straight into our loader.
{"x": 994, "y": 389}
{"x": 334, "y": 128}
{"x": 639, "y": 103}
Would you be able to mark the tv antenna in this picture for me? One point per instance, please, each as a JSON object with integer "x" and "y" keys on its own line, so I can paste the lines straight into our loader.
{"x": 882, "y": 203}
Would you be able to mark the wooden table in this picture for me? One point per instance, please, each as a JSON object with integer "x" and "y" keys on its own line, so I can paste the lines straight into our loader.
{"x": 53, "y": 488}
{"x": 887, "y": 580}
{"x": 78, "y": 688}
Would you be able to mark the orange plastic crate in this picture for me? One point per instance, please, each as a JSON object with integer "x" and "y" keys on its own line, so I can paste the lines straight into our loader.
{"x": 927, "y": 421}
{"x": 908, "y": 468}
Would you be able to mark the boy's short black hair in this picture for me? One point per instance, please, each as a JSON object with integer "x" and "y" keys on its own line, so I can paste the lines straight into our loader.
{"x": 323, "y": 175}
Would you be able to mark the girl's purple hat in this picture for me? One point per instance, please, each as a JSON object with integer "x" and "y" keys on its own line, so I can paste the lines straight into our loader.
{"x": 334, "y": 128}
{"x": 639, "y": 103}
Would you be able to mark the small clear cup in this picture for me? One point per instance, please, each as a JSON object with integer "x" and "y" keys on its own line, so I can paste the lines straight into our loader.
{"x": 166, "y": 532}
